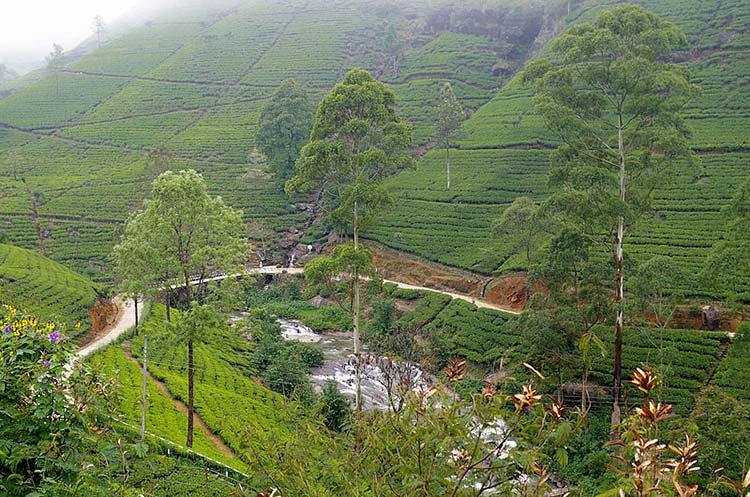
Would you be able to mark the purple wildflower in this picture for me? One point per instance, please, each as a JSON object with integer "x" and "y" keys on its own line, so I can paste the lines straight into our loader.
{"x": 48, "y": 363}
{"x": 6, "y": 329}
{"x": 54, "y": 336}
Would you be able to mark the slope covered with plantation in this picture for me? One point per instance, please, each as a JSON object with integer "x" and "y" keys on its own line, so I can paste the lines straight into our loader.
{"x": 75, "y": 144}
{"x": 47, "y": 288}
{"x": 504, "y": 153}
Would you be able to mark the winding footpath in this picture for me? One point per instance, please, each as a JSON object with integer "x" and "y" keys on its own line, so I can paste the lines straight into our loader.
{"x": 124, "y": 320}
{"x": 461, "y": 296}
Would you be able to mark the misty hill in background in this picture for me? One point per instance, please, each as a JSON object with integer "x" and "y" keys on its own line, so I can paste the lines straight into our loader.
{"x": 194, "y": 80}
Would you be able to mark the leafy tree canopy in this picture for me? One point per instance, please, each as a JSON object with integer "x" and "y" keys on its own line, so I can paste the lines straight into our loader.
{"x": 357, "y": 141}
{"x": 613, "y": 100}
{"x": 284, "y": 127}
{"x": 179, "y": 233}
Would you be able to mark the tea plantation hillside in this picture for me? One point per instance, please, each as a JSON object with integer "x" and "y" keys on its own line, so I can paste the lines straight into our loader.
{"x": 504, "y": 153}
{"x": 45, "y": 288}
{"x": 75, "y": 142}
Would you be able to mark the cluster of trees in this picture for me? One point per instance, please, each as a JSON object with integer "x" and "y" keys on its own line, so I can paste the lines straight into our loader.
{"x": 513, "y": 24}
{"x": 284, "y": 128}
{"x": 283, "y": 365}
{"x": 357, "y": 141}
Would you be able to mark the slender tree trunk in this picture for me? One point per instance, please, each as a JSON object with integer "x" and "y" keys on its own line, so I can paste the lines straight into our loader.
{"x": 189, "y": 442}
{"x": 448, "y": 165}
{"x": 585, "y": 396}
{"x": 528, "y": 247}
{"x": 143, "y": 389}
{"x": 35, "y": 214}
{"x": 135, "y": 306}
{"x": 191, "y": 370}
{"x": 620, "y": 290}
{"x": 355, "y": 319}
{"x": 168, "y": 301}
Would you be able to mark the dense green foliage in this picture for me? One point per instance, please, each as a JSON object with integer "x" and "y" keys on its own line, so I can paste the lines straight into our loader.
{"x": 434, "y": 444}
{"x": 181, "y": 234}
{"x": 722, "y": 426}
{"x": 284, "y": 127}
{"x": 283, "y": 365}
{"x": 284, "y": 299}
{"x": 357, "y": 141}
{"x": 46, "y": 288}
{"x": 46, "y": 435}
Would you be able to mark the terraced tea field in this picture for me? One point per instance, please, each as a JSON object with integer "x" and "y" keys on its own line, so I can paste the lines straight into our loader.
{"x": 45, "y": 288}
{"x": 733, "y": 374}
{"x": 161, "y": 414}
{"x": 502, "y": 153}
{"x": 195, "y": 81}
{"x": 685, "y": 359}
{"x": 226, "y": 398}
{"x": 454, "y": 227}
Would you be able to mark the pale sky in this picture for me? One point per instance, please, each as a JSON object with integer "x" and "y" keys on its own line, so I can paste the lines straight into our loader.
{"x": 28, "y": 28}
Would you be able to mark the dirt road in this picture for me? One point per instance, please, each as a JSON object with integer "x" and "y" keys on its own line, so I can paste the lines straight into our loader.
{"x": 124, "y": 320}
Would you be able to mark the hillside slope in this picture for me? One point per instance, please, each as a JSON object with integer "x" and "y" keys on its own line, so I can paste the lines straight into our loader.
{"x": 44, "y": 287}
{"x": 195, "y": 79}
{"x": 505, "y": 153}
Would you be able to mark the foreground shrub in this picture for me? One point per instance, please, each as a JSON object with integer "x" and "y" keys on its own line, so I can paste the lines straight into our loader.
{"x": 50, "y": 406}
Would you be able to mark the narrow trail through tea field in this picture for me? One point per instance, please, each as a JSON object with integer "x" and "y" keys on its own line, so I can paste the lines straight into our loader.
{"x": 164, "y": 390}
{"x": 461, "y": 296}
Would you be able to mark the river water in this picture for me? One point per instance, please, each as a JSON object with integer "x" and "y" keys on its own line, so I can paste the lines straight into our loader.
{"x": 380, "y": 375}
